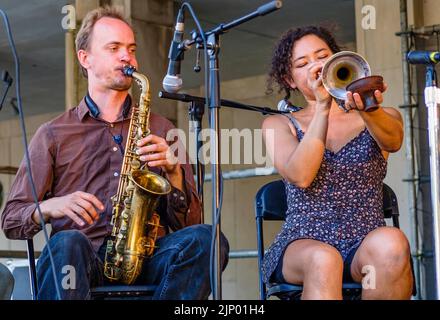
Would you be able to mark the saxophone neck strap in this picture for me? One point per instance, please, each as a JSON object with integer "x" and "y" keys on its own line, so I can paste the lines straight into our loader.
{"x": 94, "y": 109}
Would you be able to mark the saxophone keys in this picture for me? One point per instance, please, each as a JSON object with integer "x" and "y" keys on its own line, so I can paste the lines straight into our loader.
{"x": 135, "y": 164}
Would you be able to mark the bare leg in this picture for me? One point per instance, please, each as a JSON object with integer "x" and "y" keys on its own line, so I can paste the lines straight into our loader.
{"x": 315, "y": 265}
{"x": 384, "y": 256}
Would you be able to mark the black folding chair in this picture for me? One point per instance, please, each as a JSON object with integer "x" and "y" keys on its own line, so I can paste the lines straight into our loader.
{"x": 112, "y": 292}
{"x": 270, "y": 204}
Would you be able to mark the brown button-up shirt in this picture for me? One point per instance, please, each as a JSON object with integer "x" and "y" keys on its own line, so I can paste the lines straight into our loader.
{"x": 76, "y": 152}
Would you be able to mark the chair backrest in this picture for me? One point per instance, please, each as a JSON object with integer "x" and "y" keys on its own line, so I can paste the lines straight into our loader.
{"x": 271, "y": 204}
{"x": 270, "y": 201}
{"x": 390, "y": 205}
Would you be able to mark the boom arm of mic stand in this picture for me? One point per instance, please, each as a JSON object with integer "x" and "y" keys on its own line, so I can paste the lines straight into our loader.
{"x": 261, "y": 11}
{"x": 225, "y": 103}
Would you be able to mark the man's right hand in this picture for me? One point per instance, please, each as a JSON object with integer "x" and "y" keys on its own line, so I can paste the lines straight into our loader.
{"x": 79, "y": 206}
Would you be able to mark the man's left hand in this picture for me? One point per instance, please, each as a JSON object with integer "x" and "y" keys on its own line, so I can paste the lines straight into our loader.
{"x": 156, "y": 152}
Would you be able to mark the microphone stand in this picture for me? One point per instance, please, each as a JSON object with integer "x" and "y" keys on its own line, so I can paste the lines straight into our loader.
{"x": 432, "y": 101}
{"x": 213, "y": 49}
{"x": 224, "y": 103}
{"x": 196, "y": 111}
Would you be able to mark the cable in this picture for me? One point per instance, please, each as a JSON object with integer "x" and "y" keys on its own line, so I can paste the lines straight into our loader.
{"x": 25, "y": 144}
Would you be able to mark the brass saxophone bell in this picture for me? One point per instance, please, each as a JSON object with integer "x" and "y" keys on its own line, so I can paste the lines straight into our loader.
{"x": 349, "y": 71}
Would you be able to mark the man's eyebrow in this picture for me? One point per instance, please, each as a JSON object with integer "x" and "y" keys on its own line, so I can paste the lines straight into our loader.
{"x": 317, "y": 51}
{"x": 120, "y": 43}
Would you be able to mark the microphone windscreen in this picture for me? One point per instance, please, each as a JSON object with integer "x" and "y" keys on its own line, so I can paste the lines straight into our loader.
{"x": 172, "y": 84}
{"x": 283, "y": 105}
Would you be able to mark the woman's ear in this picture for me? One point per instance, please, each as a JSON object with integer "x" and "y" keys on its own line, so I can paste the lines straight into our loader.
{"x": 290, "y": 82}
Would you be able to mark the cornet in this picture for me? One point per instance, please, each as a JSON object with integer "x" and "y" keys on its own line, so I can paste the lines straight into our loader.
{"x": 349, "y": 71}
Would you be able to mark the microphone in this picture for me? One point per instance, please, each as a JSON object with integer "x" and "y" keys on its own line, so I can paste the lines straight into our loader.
{"x": 423, "y": 57}
{"x": 285, "y": 106}
{"x": 172, "y": 82}
{"x": 269, "y": 7}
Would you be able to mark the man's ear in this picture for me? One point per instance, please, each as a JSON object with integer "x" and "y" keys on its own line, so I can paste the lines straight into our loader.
{"x": 290, "y": 82}
{"x": 83, "y": 58}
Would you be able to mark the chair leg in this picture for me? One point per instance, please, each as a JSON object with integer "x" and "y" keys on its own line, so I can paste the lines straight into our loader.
{"x": 32, "y": 269}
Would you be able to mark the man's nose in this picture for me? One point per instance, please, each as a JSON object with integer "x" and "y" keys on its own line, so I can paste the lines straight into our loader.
{"x": 125, "y": 55}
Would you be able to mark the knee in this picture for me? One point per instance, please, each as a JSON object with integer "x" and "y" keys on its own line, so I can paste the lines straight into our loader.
{"x": 69, "y": 241}
{"x": 324, "y": 261}
{"x": 70, "y": 238}
{"x": 68, "y": 248}
{"x": 390, "y": 249}
{"x": 203, "y": 233}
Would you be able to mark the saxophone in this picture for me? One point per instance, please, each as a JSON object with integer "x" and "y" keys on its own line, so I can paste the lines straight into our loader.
{"x": 134, "y": 221}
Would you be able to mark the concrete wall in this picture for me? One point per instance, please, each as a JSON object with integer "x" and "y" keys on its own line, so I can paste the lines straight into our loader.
{"x": 12, "y": 152}
{"x": 381, "y": 48}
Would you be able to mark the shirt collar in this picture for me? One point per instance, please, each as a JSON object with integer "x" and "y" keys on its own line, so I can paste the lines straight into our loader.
{"x": 84, "y": 110}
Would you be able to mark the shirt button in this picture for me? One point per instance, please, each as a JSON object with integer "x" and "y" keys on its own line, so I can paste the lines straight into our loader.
{"x": 116, "y": 174}
{"x": 175, "y": 194}
{"x": 182, "y": 198}
{"x": 115, "y": 149}
{"x": 112, "y": 125}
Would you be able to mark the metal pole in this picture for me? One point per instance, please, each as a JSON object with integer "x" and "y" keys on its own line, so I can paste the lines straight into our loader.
{"x": 214, "y": 105}
{"x": 432, "y": 100}
{"x": 409, "y": 143}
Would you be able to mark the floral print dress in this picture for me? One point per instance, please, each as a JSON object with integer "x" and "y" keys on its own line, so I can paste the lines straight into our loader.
{"x": 341, "y": 206}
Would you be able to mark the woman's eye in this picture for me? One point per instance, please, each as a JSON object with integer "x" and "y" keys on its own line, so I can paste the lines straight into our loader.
{"x": 300, "y": 65}
{"x": 323, "y": 57}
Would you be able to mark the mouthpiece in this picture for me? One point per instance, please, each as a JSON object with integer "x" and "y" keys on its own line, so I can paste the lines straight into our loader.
{"x": 128, "y": 70}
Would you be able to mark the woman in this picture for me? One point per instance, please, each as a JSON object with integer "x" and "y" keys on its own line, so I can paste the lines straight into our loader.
{"x": 333, "y": 164}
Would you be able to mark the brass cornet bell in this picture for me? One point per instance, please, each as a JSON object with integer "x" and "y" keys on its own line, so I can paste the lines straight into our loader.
{"x": 349, "y": 71}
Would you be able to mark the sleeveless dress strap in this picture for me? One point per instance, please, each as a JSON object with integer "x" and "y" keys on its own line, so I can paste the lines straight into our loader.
{"x": 294, "y": 122}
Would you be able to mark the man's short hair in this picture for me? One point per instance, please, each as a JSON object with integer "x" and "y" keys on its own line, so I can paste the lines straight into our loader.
{"x": 84, "y": 36}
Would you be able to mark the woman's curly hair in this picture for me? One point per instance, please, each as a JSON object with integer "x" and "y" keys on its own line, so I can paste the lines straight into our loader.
{"x": 281, "y": 63}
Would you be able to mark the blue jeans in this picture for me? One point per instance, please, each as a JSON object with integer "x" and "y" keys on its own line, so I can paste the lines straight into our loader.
{"x": 179, "y": 266}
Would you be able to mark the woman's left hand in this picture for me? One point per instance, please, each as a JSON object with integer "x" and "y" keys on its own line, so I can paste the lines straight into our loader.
{"x": 354, "y": 101}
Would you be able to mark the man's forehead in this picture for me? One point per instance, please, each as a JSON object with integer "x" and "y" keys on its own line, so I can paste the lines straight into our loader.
{"x": 111, "y": 30}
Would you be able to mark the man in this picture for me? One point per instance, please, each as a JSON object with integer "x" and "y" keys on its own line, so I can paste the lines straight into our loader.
{"x": 76, "y": 161}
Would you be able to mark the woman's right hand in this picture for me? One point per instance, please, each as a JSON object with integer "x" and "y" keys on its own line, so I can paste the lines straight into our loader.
{"x": 79, "y": 206}
{"x": 314, "y": 81}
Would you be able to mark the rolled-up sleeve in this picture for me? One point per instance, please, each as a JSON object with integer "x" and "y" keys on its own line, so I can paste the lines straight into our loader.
{"x": 185, "y": 204}
{"x": 17, "y": 222}
{"x": 182, "y": 207}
